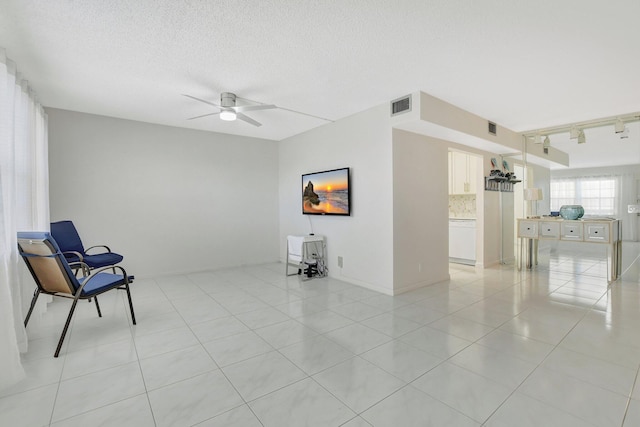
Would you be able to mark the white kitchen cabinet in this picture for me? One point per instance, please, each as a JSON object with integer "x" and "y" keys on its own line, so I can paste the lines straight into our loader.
{"x": 462, "y": 173}
{"x": 472, "y": 171}
{"x": 462, "y": 241}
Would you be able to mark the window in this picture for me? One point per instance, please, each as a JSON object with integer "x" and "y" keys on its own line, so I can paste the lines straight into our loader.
{"x": 596, "y": 194}
{"x": 562, "y": 193}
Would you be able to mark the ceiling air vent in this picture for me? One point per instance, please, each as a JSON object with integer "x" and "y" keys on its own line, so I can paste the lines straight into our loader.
{"x": 493, "y": 128}
{"x": 401, "y": 105}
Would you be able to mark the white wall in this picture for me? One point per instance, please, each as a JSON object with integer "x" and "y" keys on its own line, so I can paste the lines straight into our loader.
{"x": 420, "y": 211}
{"x": 169, "y": 199}
{"x": 492, "y": 229}
{"x": 361, "y": 142}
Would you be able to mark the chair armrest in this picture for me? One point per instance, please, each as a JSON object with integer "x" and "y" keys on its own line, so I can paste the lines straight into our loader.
{"x": 111, "y": 267}
{"x": 98, "y": 246}
{"x": 78, "y": 254}
{"x": 86, "y": 270}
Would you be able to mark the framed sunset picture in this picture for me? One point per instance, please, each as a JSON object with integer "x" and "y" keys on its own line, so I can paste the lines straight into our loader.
{"x": 326, "y": 193}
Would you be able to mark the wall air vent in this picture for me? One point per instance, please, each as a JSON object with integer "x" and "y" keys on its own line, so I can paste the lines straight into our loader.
{"x": 493, "y": 130}
{"x": 401, "y": 105}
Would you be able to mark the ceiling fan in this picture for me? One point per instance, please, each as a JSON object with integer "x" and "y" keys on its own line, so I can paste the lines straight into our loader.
{"x": 229, "y": 111}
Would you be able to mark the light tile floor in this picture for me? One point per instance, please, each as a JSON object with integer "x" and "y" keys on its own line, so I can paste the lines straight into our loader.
{"x": 554, "y": 346}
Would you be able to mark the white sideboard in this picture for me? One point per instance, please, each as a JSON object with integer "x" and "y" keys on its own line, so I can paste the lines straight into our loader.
{"x": 598, "y": 231}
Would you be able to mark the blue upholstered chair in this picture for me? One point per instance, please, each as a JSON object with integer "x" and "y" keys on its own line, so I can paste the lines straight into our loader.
{"x": 68, "y": 239}
{"x": 53, "y": 276}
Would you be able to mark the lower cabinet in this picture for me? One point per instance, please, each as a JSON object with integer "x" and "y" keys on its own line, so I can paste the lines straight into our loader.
{"x": 462, "y": 241}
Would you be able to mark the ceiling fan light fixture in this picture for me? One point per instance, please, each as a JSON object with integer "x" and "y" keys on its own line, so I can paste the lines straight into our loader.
{"x": 228, "y": 115}
{"x": 581, "y": 138}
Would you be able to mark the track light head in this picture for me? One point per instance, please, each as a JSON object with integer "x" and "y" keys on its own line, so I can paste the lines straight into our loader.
{"x": 624, "y": 134}
{"x": 574, "y": 132}
{"x": 547, "y": 142}
{"x": 581, "y": 138}
{"x": 619, "y": 126}
{"x": 537, "y": 139}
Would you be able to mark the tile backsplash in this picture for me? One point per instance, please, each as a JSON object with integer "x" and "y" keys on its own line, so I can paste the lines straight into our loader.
{"x": 462, "y": 206}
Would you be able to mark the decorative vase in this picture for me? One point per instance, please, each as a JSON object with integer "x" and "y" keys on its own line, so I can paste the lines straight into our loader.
{"x": 571, "y": 211}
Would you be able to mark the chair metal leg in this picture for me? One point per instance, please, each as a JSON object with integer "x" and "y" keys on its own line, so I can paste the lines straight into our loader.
{"x": 98, "y": 306}
{"x": 66, "y": 327}
{"x": 133, "y": 316}
{"x": 36, "y": 294}
{"x": 286, "y": 265}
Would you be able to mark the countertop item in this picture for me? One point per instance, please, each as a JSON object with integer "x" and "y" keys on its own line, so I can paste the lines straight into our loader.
{"x": 571, "y": 211}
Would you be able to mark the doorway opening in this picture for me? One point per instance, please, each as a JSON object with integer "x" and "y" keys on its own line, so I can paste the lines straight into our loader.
{"x": 465, "y": 182}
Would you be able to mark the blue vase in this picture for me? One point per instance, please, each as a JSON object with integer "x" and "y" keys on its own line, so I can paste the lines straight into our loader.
{"x": 571, "y": 211}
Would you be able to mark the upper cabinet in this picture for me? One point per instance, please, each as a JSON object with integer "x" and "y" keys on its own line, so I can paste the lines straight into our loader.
{"x": 462, "y": 173}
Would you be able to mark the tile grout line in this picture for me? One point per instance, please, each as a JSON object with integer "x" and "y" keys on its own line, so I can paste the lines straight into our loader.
{"x": 251, "y": 291}
{"x": 540, "y": 365}
{"x": 135, "y": 346}
{"x": 633, "y": 386}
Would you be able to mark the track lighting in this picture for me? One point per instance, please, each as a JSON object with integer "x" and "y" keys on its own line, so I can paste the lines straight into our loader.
{"x": 581, "y": 138}
{"x": 574, "y": 132}
{"x": 547, "y": 142}
{"x": 621, "y": 130}
{"x": 624, "y": 134}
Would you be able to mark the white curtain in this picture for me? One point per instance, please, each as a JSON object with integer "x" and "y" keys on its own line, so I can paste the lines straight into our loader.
{"x": 24, "y": 206}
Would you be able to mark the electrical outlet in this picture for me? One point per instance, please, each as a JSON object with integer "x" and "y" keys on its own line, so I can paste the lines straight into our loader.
{"x": 340, "y": 261}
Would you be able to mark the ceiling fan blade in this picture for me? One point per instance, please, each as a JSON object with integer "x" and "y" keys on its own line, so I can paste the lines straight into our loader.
{"x": 248, "y": 119}
{"x": 242, "y": 108}
{"x": 201, "y": 100}
{"x": 204, "y": 115}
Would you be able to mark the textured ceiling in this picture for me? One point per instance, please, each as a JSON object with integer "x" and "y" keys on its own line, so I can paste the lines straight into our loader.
{"x": 522, "y": 64}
